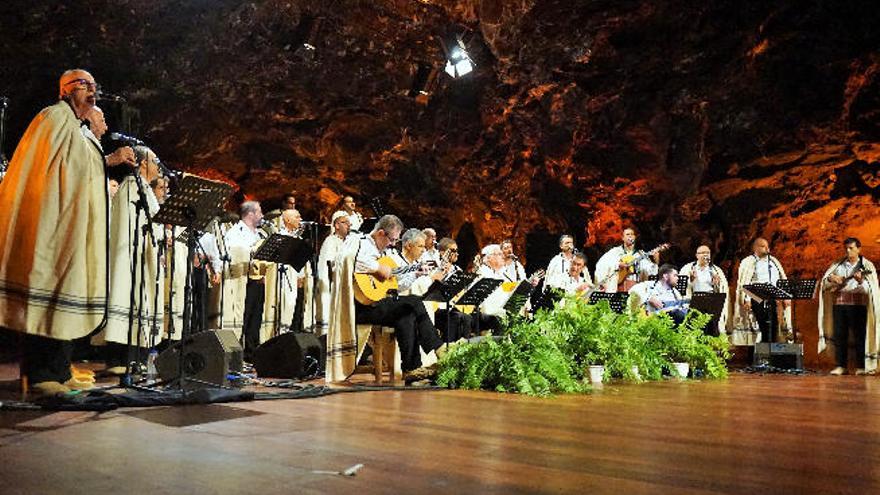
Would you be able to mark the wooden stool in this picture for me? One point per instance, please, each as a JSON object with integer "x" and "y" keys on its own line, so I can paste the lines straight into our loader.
{"x": 384, "y": 346}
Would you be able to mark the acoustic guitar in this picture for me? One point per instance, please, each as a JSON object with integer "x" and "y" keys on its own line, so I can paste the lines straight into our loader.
{"x": 368, "y": 289}
{"x": 632, "y": 261}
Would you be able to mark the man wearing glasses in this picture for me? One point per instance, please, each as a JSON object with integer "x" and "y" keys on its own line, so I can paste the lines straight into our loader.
{"x": 330, "y": 249}
{"x": 53, "y": 236}
{"x": 407, "y": 314}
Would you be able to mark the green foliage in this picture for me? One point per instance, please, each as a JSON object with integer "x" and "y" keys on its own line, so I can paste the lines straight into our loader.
{"x": 550, "y": 353}
{"x": 526, "y": 361}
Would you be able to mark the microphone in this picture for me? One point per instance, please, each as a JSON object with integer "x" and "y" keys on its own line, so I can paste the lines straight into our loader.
{"x": 308, "y": 222}
{"x": 166, "y": 170}
{"x": 4, "y": 101}
{"x": 102, "y": 96}
{"x": 514, "y": 257}
{"x": 130, "y": 140}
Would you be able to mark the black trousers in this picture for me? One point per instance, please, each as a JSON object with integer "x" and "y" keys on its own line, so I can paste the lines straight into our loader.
{"x": 116, "y": 354}
{"x": 412, "y": 326}
{"x": 253, "y": 316}
{"x": 46, "y": 360}
{"x": 768, "y": 328}
{"x": 849, "y": 317}
{"x": 460, "y": 325}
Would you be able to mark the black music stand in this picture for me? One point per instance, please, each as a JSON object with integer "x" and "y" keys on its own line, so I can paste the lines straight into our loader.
{"x": 445, "y": 291}
{"x": 800, "y": 290}
{"x": 476, "y": 294}
{"x": 616, "y": 300}
{"x": 283, "y": 250}
{"x": 711, "y": 303}
{"x": 195, "y": 203}
{"x": 548, "y": 298}
{"x": 682, "y": 285}
{"x": 766, "y": 293}
{"x": 518, "y": 298}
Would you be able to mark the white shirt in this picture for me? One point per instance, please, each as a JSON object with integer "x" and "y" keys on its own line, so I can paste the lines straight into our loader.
{"x": 558, "y": 266}
{"x": 329, "y": 250}
{"x": 514, "y": 272}
{"x": 368, "y": 254}
{"x": 664, "y": 294}
{"x": 208, "y": 247}
{"x": 702, "y": 281}
{"x": 609, "y": 261}
{"x": 765, "y": 271}
{"x": 430, "y": 255}
{"x": 566, "y": 282}
{"x": 846, "y": 269}
{"x": 486, "y": 271}
{"x": 240, "y": 235}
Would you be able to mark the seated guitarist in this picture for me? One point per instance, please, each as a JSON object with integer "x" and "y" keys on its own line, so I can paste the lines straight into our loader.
{"x": 620, "y": 258}
{"x": 660, "y": 295}
{"x": 406, "y": 314}
{"x": 413, "y": 247}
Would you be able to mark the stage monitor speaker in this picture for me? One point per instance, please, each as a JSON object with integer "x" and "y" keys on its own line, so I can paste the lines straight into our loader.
{"x": 209, "y": 356}
{"x": 783, "y": 356}
{"x": 290, "y": 355}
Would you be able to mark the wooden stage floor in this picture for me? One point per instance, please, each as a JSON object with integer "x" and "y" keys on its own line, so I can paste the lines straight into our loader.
{"x": 748, "y": 434}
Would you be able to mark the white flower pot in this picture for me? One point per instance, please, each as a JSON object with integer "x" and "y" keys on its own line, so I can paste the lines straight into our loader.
{"x": 635, "y": 370}
{"x": 596, "y": 373}
{"x": 683, "y": 369}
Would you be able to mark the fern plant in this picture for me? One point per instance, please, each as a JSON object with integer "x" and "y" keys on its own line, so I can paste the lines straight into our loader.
{"x": 550, "y": 353}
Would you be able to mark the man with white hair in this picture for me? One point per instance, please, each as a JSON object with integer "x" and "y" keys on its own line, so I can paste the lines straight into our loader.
{"x": 130, "y": 312}
{"x": 412, "y": 325}
{"x": 492, "y": 265}
{"x": 431, "y": 255}
{"x": 55, "y": 208}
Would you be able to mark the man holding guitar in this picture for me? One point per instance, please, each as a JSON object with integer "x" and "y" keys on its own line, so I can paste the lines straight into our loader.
{"x": 849, "y": 302}
{"x": 624, "y": 266}
{"x": 576, "y": 280}
{"x": 406, "y": 314}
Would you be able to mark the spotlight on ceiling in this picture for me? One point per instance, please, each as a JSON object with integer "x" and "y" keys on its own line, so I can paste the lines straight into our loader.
{"x": 308, "y": 31}
{"x": 458, "y": 62}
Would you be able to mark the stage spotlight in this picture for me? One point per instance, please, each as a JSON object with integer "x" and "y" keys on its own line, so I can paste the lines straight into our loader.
{"x": 308, "y": 31}
{"x": 458, "y": 62}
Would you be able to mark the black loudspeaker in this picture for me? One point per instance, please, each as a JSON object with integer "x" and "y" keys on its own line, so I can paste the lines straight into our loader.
{"x": 783, "y": 356}
{"x": 290, "y": 355}
{"x": 209, "y": 356}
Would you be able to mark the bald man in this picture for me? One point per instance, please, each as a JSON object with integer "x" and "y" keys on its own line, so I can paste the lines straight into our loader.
{"x": 759, "y": 267}
{"x": 53, "y": 236}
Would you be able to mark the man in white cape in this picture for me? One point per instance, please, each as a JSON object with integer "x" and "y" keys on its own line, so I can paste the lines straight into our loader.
{"x": 750, "y": 317}
{"x": 53, "y": 235}
{"x": 849, "y": 298}
{"x": 703, "y": 276}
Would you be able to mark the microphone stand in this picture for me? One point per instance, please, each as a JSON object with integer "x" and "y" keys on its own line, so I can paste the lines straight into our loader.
{"x": 154, "y": 328}
{"x": 141, "y": 205}
{"x": 224, "y": 259}
{"x": 315, "y": 293}
{"x": 172, "y": 254}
